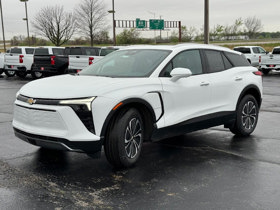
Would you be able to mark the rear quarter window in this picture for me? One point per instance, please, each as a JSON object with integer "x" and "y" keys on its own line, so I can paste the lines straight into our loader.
{"x": 237, "y": 60}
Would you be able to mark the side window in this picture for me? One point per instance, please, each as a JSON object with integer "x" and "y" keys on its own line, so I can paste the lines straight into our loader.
{"x": 29, "y": 50}
{"x": 215, "y": 61}
{"x": 237, "y": 60}
{"x": 262, "y": 51}
{"x": 188, "y": 59}
{"x": 256, "y": 50}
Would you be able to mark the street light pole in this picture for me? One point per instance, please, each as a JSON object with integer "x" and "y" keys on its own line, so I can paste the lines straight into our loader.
{"x": 26, "y": 18}
{"x": 3, "y": 26}
{"x": 206, "y": 21}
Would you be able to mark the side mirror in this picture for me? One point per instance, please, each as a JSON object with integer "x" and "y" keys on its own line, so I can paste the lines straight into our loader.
{"x": 179, "y": 73}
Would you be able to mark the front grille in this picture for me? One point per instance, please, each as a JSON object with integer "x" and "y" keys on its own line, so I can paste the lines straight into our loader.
{"x": 84, "y": 115}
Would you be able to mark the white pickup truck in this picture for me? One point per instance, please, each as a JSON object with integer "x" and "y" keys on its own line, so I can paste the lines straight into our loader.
{"x": 252, "y": 53}
{"x": 81, "y": 57}
{"x": 18, "y": 61}
{"x": 270, "y": 61}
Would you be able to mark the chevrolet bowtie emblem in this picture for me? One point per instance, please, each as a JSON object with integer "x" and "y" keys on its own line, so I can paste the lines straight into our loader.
{"x": 31, "y": 101}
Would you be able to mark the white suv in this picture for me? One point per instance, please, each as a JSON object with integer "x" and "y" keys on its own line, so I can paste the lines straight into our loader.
{"x": 137, "y": 94}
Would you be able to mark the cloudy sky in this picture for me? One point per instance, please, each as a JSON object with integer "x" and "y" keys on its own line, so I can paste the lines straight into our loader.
{"x": 190, "y": 12}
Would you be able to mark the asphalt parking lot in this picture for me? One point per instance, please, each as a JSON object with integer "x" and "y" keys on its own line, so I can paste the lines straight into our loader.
{"x": 209, "y": 169}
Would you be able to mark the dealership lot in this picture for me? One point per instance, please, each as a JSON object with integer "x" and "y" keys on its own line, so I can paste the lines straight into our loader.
{"x": 209, "y": 169}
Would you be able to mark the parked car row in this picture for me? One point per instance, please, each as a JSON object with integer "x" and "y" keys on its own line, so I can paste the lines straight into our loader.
{"x": 260, "y": 58}
{"x": 42, "y": 61}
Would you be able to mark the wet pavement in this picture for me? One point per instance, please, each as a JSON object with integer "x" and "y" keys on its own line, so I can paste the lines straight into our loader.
{"x": 209, "y": 169}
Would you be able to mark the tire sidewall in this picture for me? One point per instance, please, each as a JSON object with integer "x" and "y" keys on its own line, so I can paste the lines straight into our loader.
{"x": 122, "y": 125}
{"x": 243, "y": 131}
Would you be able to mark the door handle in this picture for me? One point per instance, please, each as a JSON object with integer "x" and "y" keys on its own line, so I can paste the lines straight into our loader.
{"x": 204, "y": 84}
{"x": 77, "y": 56}
{"x": 238, "y": 78}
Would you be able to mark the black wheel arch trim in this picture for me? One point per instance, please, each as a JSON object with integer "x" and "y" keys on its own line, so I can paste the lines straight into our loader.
{"x": 247, "y": 90}
{"x": 125, "y": 104}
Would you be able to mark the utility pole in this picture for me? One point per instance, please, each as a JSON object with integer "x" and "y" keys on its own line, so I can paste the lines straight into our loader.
{"x": 114, "y": 22}
{"x": 26, "y": 19}
{"x": 3, "y": 26}
{"x": 206, "y": 21}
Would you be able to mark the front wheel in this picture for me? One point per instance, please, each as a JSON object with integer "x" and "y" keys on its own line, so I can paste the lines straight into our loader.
{"x": 10, "y": 73}
{"x": 246, "y": 116}
{"x": 125, "y": 139}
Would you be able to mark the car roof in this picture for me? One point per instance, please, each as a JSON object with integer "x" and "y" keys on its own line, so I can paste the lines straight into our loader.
{"x": 180, "y": 47}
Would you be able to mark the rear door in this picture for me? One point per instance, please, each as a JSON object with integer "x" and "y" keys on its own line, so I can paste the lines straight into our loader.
{"x": 224, "y": 78}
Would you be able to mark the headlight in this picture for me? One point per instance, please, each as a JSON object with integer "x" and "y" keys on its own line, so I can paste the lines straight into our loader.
{"x": 78, "y": 104}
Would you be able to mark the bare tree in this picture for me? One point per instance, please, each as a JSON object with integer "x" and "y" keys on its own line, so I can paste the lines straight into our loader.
{"x": 55, "y": 24}
{"x": 91, "y": 18}
{"x": 253, "y": 26}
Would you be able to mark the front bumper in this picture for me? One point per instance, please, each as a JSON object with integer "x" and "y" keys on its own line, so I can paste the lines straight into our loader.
{"x": 59, "y": 143}
{"x": 56, "y": 127}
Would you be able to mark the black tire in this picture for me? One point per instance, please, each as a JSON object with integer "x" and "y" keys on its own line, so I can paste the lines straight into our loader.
{"x": 124, "y": 140}
{"x": 21, "y": 74}
{"x": 10, "y": 73}
{"x": 36, "y": 74}
{"x": 247, "y": 114}
{"x": 1, "y": 71}
{"x": 265, "y": 71}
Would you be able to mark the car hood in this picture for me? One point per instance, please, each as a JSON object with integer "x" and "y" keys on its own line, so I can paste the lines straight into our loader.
{"x": 74, "y": 86}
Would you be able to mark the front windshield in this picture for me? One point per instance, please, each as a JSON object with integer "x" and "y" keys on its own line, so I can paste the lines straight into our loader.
{"x": 127, "y": 63}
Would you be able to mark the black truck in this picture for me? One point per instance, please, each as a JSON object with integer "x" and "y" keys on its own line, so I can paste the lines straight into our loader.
{"x": 49, "y": 61}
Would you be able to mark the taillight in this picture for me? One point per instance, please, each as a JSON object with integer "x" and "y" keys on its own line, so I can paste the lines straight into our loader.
{"x": 90, "y": 60}
{"x": 52, "y": 60}
{"x": 258, "y": 73}
{"x": 260, "y": 59}
{"x": 21, "y": 58}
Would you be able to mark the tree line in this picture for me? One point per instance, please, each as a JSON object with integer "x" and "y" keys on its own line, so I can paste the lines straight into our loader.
{"x": 88, "y": 21}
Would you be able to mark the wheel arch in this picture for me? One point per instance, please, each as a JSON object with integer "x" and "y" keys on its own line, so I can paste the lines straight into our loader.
{"x": 145, "y": 109}
{"x": 251, "y": 90}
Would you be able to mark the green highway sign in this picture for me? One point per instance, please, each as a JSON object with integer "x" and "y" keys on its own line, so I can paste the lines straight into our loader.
{"x": 140, "y": 23}
{"x": 156, "y": 24}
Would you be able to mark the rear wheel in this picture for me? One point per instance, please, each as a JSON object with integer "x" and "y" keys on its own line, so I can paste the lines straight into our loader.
{"x": 246, "y": 116}
{"x": 21, "y": 74}
{"x": 125, "y": 138}
{"x": 37, "y": 75}
{"x": 10, "y": 73}
{"x": 1, "y": 71}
